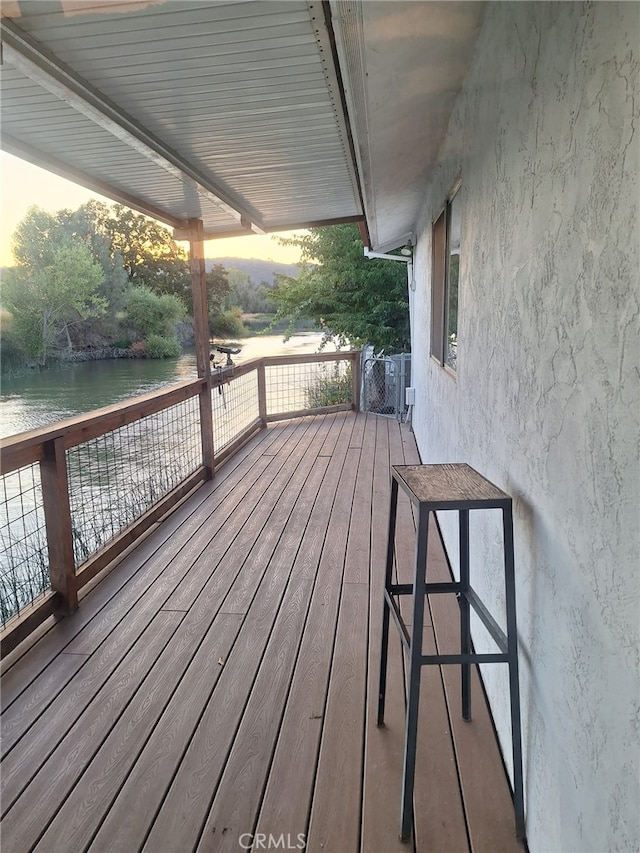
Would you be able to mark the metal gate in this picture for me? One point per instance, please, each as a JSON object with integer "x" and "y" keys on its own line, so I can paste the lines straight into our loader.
{"x": 384, "y": 379}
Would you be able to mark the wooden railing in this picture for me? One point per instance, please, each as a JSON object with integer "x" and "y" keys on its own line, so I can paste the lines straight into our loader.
{"x": 244, "y": 399}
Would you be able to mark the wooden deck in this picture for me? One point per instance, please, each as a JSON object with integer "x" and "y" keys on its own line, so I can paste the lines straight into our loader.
{"x": 222, "y": 680}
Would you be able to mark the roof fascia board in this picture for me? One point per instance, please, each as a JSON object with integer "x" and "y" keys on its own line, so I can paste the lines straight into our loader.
{"x": 353, "y": 75}
{"x": 45, "y": 69}
{"x": 46, "y": 161}
{"x": 326, "y": 40}
{"x": 181, "y": 232}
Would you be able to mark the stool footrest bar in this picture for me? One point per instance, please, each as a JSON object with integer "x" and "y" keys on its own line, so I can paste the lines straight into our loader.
{"x": 401, "y": 589}
{"x": 473, "y": 657}
{"x": 489, "y": 622}
{"x": 446, "y": 586}
{"x": 397, "y": 618}
{"x": 429, "y": 588}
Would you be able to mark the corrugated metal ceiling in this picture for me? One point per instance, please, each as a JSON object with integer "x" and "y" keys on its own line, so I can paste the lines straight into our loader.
{"x": 229, "y": 112}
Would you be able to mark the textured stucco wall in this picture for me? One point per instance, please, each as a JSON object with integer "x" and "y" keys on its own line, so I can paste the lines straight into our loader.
{"x": 546, "y": 400}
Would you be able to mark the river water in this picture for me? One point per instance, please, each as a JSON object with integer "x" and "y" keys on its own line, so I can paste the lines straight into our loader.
{"x": 38, "y": 398}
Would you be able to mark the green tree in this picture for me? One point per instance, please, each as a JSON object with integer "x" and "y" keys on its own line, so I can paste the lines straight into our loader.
{"x": 227, "y": 325}
{"x": 60, "y": 292}
{"x": 225, "y": 317}
{"x": 35, "y": 240}
{"x": 41, "y": 234}
{"x": 87, "y": 224}
{"x": 354, "y": 299}
{"x": 251, "y": 297}
{"x": 126, "y": 247}
{"x": 218, "y": 289}
{"x": 150, "y": 255}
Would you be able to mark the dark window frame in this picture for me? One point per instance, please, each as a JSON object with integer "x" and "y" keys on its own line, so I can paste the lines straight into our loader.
{"x": 441, "y": 349}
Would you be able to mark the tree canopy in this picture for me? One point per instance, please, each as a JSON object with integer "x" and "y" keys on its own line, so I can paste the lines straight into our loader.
{"x": 76, "y": 270}
{"x": 354, "y": 299}
{"x": 251, "y": 297}
{"x": 154, "y": 314}
{"x": 150, "y": 255}
{"x": 85, "y": 225}
{"x": 55, "y": 286}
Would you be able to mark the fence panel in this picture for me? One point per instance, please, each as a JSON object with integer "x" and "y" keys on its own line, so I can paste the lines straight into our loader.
{"x": 116, "y": 477}
{"x": 24, "y": 557}
{"x": 235, "y": 407}
{"x": 119, "y": 463}
{"x": 307, "y": 386}
{"x": 384, "y": 380}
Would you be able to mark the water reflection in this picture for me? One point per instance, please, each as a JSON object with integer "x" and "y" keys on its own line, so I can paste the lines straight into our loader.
{"x": 38, "y": 398}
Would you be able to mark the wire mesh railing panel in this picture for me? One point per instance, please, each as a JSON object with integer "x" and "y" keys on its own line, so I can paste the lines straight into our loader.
{"x": 24, "y": 556}
{"x": 235, "y": 406}
{"x": 116, "y": 477}
{"x": 307, "y": 385}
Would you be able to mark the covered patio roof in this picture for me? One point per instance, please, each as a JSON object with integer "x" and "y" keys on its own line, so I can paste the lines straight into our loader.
{"x": 250, "y": 116}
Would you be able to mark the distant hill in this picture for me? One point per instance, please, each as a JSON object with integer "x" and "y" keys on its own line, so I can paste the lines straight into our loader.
{"x": 257, "y": 270}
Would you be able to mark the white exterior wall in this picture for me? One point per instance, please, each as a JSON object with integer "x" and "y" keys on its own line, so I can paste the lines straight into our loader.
{"x": 546, "y": 400}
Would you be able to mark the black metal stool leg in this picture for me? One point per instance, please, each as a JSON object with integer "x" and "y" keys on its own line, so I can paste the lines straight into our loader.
{"x": 415, "y": 667}
{"x": 465, "y": 613}
{"x": 384, "y": 649}
{"x": 514, "y": 688}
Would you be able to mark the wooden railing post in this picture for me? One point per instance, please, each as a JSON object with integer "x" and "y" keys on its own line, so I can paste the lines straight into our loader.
{"x": 262, "y": 394}
{"x": 355, "y": 381}
{"x": 201, "y": 326}
{"x": 57, "y": 515}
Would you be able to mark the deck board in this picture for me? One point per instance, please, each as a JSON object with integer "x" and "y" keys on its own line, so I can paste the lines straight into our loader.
{"x": 384, "y": 745}
{"x": 335, "y": 813}
{"x": 489, "y": 809}
{"x": 25, "y": 822}
{"x": 222, "y": 679}
{"x": 122, "y": 828}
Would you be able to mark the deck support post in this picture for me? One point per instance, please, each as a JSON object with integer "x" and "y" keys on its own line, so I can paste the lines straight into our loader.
{"x": 262, "y": 394}
{"x": 355, "y": 381}
{"x": 57, "y": 514}
{"x": 201, "y": 325}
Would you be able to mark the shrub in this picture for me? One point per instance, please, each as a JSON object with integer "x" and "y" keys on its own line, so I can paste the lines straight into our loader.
{"x": 162, "y": 346}
{"x": 331, "y": 389}
{"x": 152, "y": 314}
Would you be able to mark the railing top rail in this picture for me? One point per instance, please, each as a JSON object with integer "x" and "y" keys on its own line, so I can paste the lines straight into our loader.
{"x": 27, "y": 447}
{"x": 227, "y": 373}
{"x": 309, "y": 358}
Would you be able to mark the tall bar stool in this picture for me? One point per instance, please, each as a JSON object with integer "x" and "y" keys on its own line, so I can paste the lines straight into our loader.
{"x": 449, "y": 487}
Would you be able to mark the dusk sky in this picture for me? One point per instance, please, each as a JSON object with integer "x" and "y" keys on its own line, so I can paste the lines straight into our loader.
{"x": 24, "y": 185}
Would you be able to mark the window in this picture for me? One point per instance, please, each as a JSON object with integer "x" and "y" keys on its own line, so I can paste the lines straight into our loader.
{"x": 445, "y": 274}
